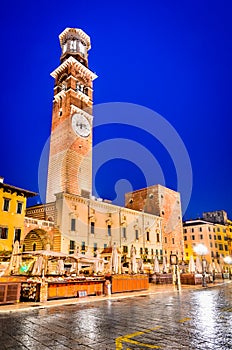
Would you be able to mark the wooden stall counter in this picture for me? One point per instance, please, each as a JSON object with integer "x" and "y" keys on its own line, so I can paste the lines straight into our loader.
{"x": 9, "y": 292}
{"x": 10, "y": 287}
{"x": 72, "y": 288}
{"x": 129, "y": 283}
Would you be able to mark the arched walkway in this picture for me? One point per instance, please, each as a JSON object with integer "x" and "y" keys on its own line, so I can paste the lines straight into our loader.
{"x": 36, "y": 239}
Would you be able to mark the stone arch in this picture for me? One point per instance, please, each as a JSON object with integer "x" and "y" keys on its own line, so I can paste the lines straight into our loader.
{"x": 36, "y": 239}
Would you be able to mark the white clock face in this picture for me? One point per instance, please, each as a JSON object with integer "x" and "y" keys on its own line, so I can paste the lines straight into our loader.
{"x": 81, "y": 125}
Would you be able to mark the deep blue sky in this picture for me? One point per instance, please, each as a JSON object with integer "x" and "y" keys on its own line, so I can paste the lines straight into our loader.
{"x": 173, "y": 57}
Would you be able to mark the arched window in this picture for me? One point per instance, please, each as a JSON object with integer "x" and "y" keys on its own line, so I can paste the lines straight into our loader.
{"x": 73, "y": 45}
{"x": 64, "y": 47}
{"x": 34, "y": 247}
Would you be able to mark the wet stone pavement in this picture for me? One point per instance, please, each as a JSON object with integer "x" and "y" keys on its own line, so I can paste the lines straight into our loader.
{"x": 191, "y": 319}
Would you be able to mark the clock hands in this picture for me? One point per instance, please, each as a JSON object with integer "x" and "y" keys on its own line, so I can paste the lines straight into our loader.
{"x": 81, "y": 125}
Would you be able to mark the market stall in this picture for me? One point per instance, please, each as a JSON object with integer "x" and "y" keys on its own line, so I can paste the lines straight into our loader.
{"x": 48, "y": 278}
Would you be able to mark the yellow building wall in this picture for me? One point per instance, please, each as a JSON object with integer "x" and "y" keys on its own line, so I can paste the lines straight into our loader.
{"x": 213, "y": 236}
{"x": 11, "y": 219}
{"x": 229, "y": 236}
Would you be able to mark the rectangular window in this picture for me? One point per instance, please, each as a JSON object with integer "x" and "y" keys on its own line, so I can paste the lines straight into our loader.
{"x": 3, "y": 232}
{"x": 173, "y": 240}
{"x": 186, "y": 246}
{"x": 165, "y": 239}
{"x": 148, "y": 236}
{"x": 201, "y": 236}
{"x": 187, "y": 254}
{"x": 82, "y": 245}
{"x": 125, "y": 249}
{"x": 200, "y": 229}
{"x": 6, "y": 204}
{"x": 211, "y": 245}
{"x": 226, "y": 248}
{"x": 146, "y": 251}
{"x": 73, "y": 224}
{"x": 92, "y": 227}
{"x": 214, "y": 229}
{"x": 124, "y": 232}
{"x": 209, "y": 229}
{"x": 212, "y": 254}
{"x": 71, "y": 247}
{"x": 220, "y": 246}
{"x": 219, "y": 237}
{"x": 109, "y": 230}
{"x": 152, "y": 251}
{"x": 185, "y": 238}
{"x": 210, "y": 236}
{"x": 192, "y": 230}
{"x": 105, "y": 245}
{"x": 17, "y": 234}
{"x": 224, "y": 230}
{"x": 215, "y": 237}
{"x": 161, "y": 252}
{"x": 185, "y": 230}
{"x": 157, "y": 237}
{"x": 218, "y": 229}
{"x": 136, "y": 234}
{"x": 95, "y": 247}
{"x": 193, "y": 237}
{"x": 141, "y": 251}
{"x": 216, "y": 245}
{"x": 19, "y": 207}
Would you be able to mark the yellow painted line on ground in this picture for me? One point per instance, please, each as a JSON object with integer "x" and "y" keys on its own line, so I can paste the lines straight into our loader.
{"x": 184, "y": 319}
{"x": 127, "y": 339}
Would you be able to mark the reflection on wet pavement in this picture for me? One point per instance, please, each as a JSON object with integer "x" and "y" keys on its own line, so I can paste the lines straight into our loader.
{"x": 199, "y": 319}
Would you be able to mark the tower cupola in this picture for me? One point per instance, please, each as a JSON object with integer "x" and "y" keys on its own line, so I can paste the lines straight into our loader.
{"x": 76, "y": 43}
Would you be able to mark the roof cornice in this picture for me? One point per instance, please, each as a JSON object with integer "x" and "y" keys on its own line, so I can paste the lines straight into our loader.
{"x": 72, "y": 61}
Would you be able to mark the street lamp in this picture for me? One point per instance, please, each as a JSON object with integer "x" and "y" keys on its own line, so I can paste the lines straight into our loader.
{"x": 228, "y": 260}
{"x": 201, "y": 249}
{"x": 174, "y": 261}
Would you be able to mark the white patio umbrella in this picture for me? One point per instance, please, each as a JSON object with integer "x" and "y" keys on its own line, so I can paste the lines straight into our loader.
{"x": 15, "y": 259}
{"x": 43, "y": 261}
{"x": 191, "y": 267}
{"x": 114, "y": 259}
{"x": 218, "y": 267}
{"x": 165, "y": 268}
{"x": 221, "y": 262}
{"x": 198, "y": 265}
{"x": 210, "y": 268}
{"x": 37, "y": 268}
{"x": 156, "y": 265}
{"x": 60, "y": 267}
{"x": 133, "y": 260}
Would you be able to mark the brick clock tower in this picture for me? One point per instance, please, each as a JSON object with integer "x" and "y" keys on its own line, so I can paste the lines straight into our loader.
{"x": 70, "y": 156}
